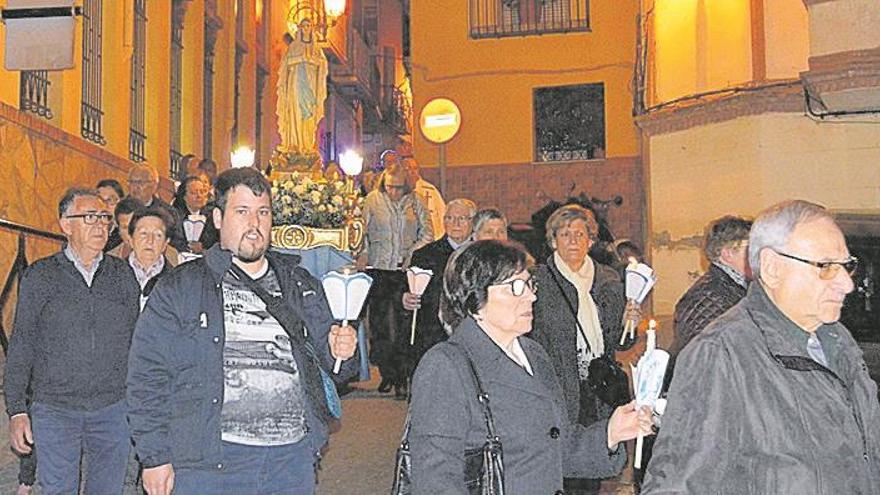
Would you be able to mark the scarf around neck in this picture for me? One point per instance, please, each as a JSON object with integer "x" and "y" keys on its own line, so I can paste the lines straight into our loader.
{"x": 590, "y": 342}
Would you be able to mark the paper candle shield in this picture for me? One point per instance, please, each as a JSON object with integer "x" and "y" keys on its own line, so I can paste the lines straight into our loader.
{"x": 640, "y": 279}
{"x": 418, "y": 279}
{"x": 346, "y": 293}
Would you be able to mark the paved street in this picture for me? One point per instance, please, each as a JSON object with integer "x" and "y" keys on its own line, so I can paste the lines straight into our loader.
{"x": 359, "y": 461}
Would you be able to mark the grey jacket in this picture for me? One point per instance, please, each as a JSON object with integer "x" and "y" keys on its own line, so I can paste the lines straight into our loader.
{"x": 394, "y": 231}
{"x": 540, "y": 444}
{"x": 750, "y": 413}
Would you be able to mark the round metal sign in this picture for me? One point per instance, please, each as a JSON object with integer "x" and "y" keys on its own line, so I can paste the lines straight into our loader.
{"x": 440, "y": 120}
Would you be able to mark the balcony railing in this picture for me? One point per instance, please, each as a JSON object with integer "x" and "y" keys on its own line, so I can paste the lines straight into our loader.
{"x": 19, "y": 263}
{"x": 498, "y": 18}
{"x": 396, "y": 111}
{"x": 360, "y": 69}
{"x": 34, "y": 93}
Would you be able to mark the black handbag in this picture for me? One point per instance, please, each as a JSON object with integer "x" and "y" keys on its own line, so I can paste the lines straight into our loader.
{"x": 483, "y": 466}
{"x": 606, "y": 377}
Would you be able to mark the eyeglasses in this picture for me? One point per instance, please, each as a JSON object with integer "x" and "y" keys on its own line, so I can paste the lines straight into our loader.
{"x": 460, "y": 220}
{"x": 828, "y": 269}
{"x": 92, "y": 218}
{"x": 518, "y": 285}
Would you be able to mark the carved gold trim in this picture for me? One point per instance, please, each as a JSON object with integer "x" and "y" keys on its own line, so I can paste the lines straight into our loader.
{"x": 349, "y": 238}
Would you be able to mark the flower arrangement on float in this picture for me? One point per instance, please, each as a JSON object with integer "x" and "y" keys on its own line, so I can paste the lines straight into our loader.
{"x": 309, "y": 212}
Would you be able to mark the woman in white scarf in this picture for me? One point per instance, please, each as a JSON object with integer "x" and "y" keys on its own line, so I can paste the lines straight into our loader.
{"x": 577, "y": 316}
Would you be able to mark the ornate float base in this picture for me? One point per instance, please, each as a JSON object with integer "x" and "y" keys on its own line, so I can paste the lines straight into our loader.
{"x": 349, "y": 238}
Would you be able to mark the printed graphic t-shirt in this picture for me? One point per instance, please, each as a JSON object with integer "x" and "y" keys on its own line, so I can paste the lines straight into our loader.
{"x": 263, "y": 403}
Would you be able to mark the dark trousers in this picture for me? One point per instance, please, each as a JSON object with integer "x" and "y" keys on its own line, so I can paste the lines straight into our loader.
{"x": 389, "y": 336}
{"x": 99, "y": 439}
{"x": 282, "y": 470}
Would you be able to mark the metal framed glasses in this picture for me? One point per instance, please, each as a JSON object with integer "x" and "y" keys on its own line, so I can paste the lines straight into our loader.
{"x": 828, "y": 269}
{"x": 92, "y": 218}
{"x": 518, "y": 285}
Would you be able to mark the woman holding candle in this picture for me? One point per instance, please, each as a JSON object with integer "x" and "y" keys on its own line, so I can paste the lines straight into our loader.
{"x": 489, "y": 291}
{"x": 577, "y": 316}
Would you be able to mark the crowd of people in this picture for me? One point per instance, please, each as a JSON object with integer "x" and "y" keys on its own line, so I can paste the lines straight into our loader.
{"x": 166, "y": 347}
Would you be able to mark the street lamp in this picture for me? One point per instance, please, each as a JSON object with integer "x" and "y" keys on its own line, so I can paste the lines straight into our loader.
{"x": 242, "y": 157}
{"x": 321, "y": 18}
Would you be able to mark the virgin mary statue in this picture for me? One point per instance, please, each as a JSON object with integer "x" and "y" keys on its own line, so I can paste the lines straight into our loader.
{"x": 302, "y": 89}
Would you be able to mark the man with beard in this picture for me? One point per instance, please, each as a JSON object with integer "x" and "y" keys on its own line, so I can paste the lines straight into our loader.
{"x": 223, "y": 394}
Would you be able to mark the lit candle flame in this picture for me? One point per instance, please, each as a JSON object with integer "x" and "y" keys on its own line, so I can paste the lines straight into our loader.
{"x": 652, "y": 324}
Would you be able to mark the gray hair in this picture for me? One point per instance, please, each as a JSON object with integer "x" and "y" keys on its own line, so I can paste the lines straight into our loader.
{"x": 564, "y": 215}
{"x": 70, "y": 196}
{"x": 465, "y": 203}
{"x": 773, "y": 227}
{"x": 487, "y": 214}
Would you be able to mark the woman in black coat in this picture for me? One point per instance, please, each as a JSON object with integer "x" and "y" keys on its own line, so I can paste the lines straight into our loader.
{"x": 578, "y": 316}
{"x": 490, "y": 292}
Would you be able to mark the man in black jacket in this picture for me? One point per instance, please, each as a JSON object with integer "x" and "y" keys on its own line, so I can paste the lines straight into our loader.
{"x": 73, "y": 324}
{"x": 224, "y": 394}
{"x": 458, "y": 224}
{"x": 726, "y": 247}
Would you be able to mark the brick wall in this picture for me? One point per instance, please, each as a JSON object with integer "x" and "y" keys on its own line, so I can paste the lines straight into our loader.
{"x": 521, "y": 189}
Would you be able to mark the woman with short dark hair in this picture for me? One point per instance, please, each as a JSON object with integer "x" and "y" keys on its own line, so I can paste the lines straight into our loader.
{"x": 487, "y": 287}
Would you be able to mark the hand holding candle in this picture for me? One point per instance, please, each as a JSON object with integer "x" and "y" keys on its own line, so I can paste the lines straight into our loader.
{"x": 648, "y": 379}
{"x": 640, "y": 279}
{"x": 346, "y": 293}
{"x": 418, "y": 279}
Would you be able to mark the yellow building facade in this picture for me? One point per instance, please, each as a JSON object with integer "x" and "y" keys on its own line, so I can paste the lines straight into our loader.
{"x": 205, "y": 73}
{"x": 490, "y": 57}
{"x": 750, "y": 102}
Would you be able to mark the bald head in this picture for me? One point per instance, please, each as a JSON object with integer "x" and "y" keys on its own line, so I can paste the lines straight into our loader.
{"x": 143, "y": 181}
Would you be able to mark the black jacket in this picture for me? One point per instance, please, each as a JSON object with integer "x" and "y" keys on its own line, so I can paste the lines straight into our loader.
{"x": 210, "y": 235}
{"x": 432, "y": 257}
{"x": 70, "y": 341}
{"x": 175, "y": 379}
{"x": 555, "y": 326}
{"x": 710, "y": 296}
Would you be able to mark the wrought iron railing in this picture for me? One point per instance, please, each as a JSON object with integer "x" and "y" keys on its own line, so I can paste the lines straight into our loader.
{"x": 497, "y": 18}
{"x": 137, "y": 132}
{"x": 34, "y": 93}
{"x": 398, "y": 114}
{"x": 19, "y": 263}
{"x": 176, "y": 98}
{"x": 91, "y": 113}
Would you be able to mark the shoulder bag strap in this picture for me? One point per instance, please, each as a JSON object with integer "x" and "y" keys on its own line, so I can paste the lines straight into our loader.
{"x": 280, "y": 311}
{"x": 482, "y": 396}
{"x": 570, "y": 307}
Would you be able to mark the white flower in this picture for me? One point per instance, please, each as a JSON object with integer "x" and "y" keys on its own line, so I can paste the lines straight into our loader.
{"x": 315, "y": 197}
{"x": 299, "y": 190}
{"x": 322, "y": 208}
{"x": 337, "y": 200}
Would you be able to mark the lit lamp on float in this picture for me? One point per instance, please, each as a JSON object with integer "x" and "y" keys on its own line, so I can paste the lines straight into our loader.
{"x": 242, "y": 157}
{"x": 352, "y": 164}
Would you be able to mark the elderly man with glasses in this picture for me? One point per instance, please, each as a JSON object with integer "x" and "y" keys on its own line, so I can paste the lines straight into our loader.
{"x": 774, "y": 396}
{"x": 458, "y": 225}
{"x": 74, "y": 320}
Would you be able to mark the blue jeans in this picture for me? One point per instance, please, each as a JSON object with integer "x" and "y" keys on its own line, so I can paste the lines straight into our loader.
{"x": 282, "y": 470}
{"x": 100, "y": 439}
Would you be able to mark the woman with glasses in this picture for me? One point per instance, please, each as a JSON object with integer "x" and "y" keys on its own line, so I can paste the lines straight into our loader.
{"x": 578, "y": 317}
{"x": 489, "y": 291}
